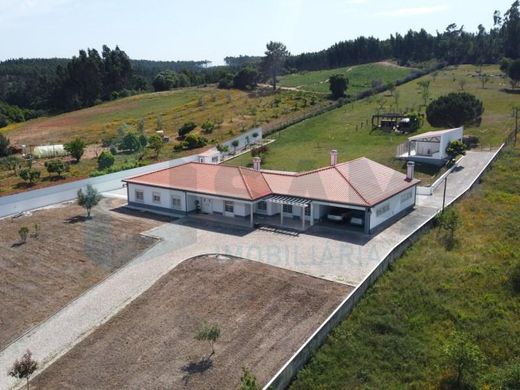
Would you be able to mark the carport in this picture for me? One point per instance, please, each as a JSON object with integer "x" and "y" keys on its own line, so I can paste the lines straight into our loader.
{"x": 337, "y": 215}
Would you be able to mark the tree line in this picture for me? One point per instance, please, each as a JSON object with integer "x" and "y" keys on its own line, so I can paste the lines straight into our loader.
{"x": 453, "y": 46}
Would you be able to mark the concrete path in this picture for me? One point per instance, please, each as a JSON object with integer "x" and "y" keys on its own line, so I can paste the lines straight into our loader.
{"x": 346, "y": 259}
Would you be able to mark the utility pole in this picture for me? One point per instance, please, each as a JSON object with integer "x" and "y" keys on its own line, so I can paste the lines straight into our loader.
{"x": 444, "y": 194}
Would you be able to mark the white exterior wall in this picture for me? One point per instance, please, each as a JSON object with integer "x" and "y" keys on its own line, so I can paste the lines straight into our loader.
{"x": 272, "y": 209}
{"x": 454, "y": 135}
{"x": 422, "y": 148}
{"x": 165, "y": 195}
{"x": 396, "y": 205}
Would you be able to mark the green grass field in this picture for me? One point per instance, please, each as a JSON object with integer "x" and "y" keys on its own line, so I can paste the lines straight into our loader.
{"x": 360, "y": 77}
{"x": 395, "y": 337}
{"x": 306, "y": 145}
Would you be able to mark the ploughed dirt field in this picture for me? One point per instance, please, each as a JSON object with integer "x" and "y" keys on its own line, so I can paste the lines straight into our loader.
{"x": 69, "y": 255}
{"x": 264, "y": 314}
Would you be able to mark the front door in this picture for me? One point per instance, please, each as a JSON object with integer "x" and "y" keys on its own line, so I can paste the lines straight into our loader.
{"x": 206, "y": 206}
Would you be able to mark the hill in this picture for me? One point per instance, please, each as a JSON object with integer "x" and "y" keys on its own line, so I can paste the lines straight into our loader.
{"x": 306, "y": 145}
{"x": 361, "y": 77}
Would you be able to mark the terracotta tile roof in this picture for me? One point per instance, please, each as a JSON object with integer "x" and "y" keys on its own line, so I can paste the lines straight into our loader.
{"x": 360, "y": 182}
{"x": 212, "y": 179}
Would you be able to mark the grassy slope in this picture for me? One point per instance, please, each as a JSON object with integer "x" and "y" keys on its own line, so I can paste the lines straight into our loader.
{"x": 306, "y": 145}
{"x": 360, "y": 77}
{"x": 395, "y": 336}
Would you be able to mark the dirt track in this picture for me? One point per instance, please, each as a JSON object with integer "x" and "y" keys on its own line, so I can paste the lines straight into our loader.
{"x": 69, "y": 256}
{"x": 264, "y": 313}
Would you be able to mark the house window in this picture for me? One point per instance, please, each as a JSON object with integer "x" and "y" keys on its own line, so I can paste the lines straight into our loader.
{"x": 214, "y": 159}
{"x": 229, "y": 206}
{"x": 176, "y": 202}
{"x": 307, "y": 211}
{"x": 382, "y": 209}
{"x": 139, "y": 196}
{"x": 261, "y": 206}
{"x": 406, "y": 196}
{"x": 156, "y": 197}
{"x": 287, "y": 208}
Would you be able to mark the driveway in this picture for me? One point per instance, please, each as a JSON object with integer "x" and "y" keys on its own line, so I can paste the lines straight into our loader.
{"x": 347, "y": 260}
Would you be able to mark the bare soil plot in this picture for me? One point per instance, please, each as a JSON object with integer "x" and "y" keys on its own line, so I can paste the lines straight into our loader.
{"x": 265, "y": 314}
{"x": 70, "y": 255}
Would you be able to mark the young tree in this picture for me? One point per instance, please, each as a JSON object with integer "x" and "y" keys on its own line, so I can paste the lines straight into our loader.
{"x": 159, "y": 124}
{"x": 484, "y": 79}
{"x": 454, "y": 149}
{"x": 4, "y": 146}
{"x": 24, "y": 368}
{"x": 454, "y": 110}
{"x": 274, "y": 60}
{"x": 235, "y": 144}
{"x": 424, "y": 87}
{"x": 140, "y": 126}
{"x": 248, "y": 381}
{"x": 156, "y": 143}
{"x": 338, "y": 84}
{"x": 75, "y": 148}
{"x": 11, "y": 163}
{"x": 513, "y": 71}
{"x": 208, "y": 127}
{"x": 88, "y": 199}
{"x": 29, "y": 175}
{"x": 209, "y": 333}
{"x": 143, "y": 140}
{"x": 464, "y": 358}
{"x": 449, "y": 221}
{"x": 105, "y": 160}
{"x": 56, "y": 166}
{"x": 23, "y": 232}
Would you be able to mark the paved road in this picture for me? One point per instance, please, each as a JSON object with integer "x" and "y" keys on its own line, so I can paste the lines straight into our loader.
{"x": 342, "y": 260}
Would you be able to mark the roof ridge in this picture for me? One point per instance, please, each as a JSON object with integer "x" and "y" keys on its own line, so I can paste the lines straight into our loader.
{"x": 351, "y": 185}
{"x": 245, "y": 182}
{"x": 159, "y": 170}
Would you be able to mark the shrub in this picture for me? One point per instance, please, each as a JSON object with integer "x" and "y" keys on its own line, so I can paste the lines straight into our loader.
{"x": 515, "y": 278}
{"x": 56, "y": 166}
{"x": 143, "y": 140}
{"x": 130, "y": 142}
{"x": 193, "y": 141}
{"x": 4, "y": 146}
{"x": 75, "y": 148}
{"x": 454, "y": 149}
{"x": 208, "y": 127}
{"x": 463, "y": 358}
{"x": 105, "y": 160}
{"x": 23, "y": 233}
{"x": 259, "y": 150}
{"x": 186, "y": 128}
{"x": 454, "y": 109}
{"x": 29, "y": 175}
{"x": 449, "y": 221}
{"x": 248, "y": 381}
{"x": 156, "y": 143}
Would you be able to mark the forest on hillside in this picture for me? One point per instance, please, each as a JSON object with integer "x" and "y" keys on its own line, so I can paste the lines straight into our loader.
{"x": 33, "y": 87}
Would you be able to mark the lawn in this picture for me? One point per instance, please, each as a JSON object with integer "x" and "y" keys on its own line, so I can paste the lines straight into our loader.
{"x": 360, "y": 77}
{"x": 69, "y": 256}
{"x": 264, "y": 314}
{"x": 232, "y": 111}
{"x": 396, "y": 336}
{"x": 306, "y": 145}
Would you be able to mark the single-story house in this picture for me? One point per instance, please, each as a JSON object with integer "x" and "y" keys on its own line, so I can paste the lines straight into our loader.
{"x": 360, "y": 194}
{"x": 429, "y": 147}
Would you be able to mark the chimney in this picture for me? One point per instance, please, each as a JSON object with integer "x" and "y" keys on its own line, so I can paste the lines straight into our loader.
{"x": 333, "y": 158}
{"x": 256, "y": 163}
{"x": 410, "y": 168}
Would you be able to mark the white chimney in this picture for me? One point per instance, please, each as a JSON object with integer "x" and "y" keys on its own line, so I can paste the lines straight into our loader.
{"x": 333, "y": 157}
{"x": 410, "y": 168}
{"x": 256, "y": 163}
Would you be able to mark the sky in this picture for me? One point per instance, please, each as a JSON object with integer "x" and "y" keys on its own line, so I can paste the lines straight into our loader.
{"x": 211, "y": 30}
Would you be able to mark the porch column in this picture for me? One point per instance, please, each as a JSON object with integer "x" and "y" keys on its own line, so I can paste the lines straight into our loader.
{"x": 303, "y": 217}
{"x": 367, "y": 221}
{"x": 281, "y": 214}
{"x": 251, "y": 220}
{"x": 312, "y": 214}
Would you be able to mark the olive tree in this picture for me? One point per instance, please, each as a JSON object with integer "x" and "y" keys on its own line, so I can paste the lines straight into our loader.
{"x": 89, "y": 198}
{"x": 23, "y": 368}
{"x": 156, "y": 143}
{"x": 209, "y": 333}
{"x": 464, "y": 358}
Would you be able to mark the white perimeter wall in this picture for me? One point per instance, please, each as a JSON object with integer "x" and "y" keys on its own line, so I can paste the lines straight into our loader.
{"x": 396, "y": 204}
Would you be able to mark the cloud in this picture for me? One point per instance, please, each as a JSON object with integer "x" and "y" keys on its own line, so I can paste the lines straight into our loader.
{"x": 414, "y": 11}
{"x": 355, "y": 2}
